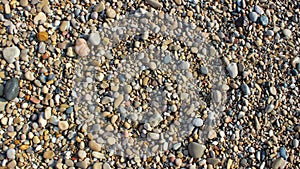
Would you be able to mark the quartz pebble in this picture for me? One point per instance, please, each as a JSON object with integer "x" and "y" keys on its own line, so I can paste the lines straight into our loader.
{"x": 40, "y": 18}
{"x": 111, "y": 13}
{"x": 11, "y": 53}
{"x": 11, "y": 153}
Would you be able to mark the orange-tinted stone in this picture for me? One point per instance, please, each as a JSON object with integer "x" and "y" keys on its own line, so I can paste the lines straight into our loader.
{"x": 42, "y": 36}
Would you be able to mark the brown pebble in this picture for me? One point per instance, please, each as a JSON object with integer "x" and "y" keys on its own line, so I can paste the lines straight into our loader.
{"x": 42, "y": 36}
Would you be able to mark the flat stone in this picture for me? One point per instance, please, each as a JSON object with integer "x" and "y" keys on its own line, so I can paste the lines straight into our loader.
{"x": 154, "y": 4}
{"x": 196, "y": 150}
{"x": 63, "y": 125}
{"x": 94, "y": 38}
{"x": 12, "y": 89}
{"x": 12, "y": 164}
{"x": 269, "y": 108}
{"x": 11, "y": 53}
{"x": 40, "y": 18}
{"x": 81, "y": 47}
{"x": 232, "y": 70}
{"x": 94, "y": 146}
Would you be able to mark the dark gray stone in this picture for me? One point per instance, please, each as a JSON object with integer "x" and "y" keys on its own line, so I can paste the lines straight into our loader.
{"x": 12, "y": 89}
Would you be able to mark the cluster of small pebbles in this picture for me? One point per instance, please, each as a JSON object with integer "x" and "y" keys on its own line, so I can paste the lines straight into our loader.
{"x": 240, "y": 110}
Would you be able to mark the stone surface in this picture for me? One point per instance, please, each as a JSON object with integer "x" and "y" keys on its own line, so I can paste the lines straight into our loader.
{"x": 94, "y": 38}
{"x": 232, "y": 69}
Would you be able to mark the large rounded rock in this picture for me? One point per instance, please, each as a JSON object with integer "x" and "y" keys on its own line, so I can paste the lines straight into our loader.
{"x": 11, "y": 53}
{"x": 12, "y": 89}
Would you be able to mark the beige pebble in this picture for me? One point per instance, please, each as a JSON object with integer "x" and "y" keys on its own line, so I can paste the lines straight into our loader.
{"x": 63, "y": 125}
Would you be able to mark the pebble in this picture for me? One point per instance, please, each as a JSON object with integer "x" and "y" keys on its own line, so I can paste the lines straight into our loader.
{"x": 232, "y": 69}
{"x": 111, "y": 13}
{"x": 3, "y": 103}
{"x": 12, "y": 89}
{"x": 81, "y": 154}
{"x": 48, "y": 154}
{"x": 258, "y": 9}
{"x": 100, "y": 7}
{"x": 42, "y": 47}
{"x": 63, "y": 125}
{"x": 154, "y": 4}
{"x": 42, "y": 36}
{"x": 11, "y": 53}
{"x": 24, "y": 3}
{"x": 246, "y": 89}
{"x": 29, "y": 76}
{"x": 279, "y": 163}
{"x": 106, "y": 166}
{"x": 40, "y": 18}
{"x": 198, "y": 122}
{"x": 11, "y": 153}
{"x": 94, "y": 146}
{"x": 12, "y": 164}
{"x": 269, "y": 108}
{"x": 253, "y": 16}
{"x": 64, "y": 26}
{"x": 264, "y": 20}
{"x": 296, "y": 143}
{"x": 283, "y": 153}
{"x": 81, "y": 47}
{"x": 196, "y": 150}
{"x": 94, "y": 38}
{"x": 287, "y": 33}
{"x": 204, "y": 70}
{"x": 82, "y": 164}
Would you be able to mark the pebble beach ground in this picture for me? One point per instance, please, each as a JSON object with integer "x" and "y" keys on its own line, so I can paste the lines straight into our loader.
{"x": 231, "y": 102}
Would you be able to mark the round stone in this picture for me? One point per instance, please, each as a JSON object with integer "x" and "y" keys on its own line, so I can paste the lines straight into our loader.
{"x": 81, "y": 154}
{"x": 11, "y": 53}
{"x": 264, "y": 20}
{"x": 287, "y": 33}
{"x": 198, "y": 122}
{"x": 40, "y": 18}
